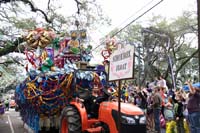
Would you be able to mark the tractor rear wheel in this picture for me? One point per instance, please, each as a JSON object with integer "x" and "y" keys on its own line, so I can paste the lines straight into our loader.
{"x": 105, "y": 128}
{"x": 70, "y": 120}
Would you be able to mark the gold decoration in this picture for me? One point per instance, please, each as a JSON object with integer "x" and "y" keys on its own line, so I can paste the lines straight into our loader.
{"x": 74, "y": 43}
{"x": 39, "y": 37}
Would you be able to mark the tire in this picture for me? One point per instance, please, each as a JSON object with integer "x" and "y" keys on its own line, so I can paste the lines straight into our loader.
{"x": 70, "y": 120}
{"x": 105, "y": 128}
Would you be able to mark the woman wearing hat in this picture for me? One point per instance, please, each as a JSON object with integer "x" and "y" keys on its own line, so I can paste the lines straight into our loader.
{"x": 193, "y": 107}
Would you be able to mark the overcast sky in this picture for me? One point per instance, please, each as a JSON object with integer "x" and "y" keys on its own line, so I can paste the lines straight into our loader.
{"x": 120, "y": 10}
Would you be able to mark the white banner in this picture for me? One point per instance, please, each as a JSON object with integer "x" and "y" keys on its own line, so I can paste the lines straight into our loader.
{"x": 121, "y": 63}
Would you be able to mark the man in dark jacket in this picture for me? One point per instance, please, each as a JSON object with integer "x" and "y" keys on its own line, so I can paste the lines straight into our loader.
{"x": 156, "y": 105}
{"x": 178, "y": 109}
{"x": 193, "y": 107}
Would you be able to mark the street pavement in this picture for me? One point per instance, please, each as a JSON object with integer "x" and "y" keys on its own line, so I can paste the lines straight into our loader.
{"x": 11, "y": 122}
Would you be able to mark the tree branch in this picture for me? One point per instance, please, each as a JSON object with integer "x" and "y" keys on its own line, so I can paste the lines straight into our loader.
{"x": 48, "y": 6}
{"x": 34, "y": 9}
{"x": 10, "y": 48}
{"x": 6, "y": 63}
{"x": 16, "y": 61}
{"x": 78, "y": 7}
{"x": 181, "y": 58}
{"x": 188, "y": 59}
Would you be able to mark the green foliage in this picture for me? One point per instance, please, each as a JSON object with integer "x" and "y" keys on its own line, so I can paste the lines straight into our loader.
{"x": 181, "y": 31}
{"x": 26, "y": 24}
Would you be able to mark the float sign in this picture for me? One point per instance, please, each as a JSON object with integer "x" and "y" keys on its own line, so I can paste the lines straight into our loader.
{"x": 122, "y": 63}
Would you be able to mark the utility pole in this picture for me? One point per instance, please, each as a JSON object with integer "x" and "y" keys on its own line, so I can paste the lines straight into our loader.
{"x": 170, "y": 63}
{"x": 139, "y": 70}
{"x": 198, "y": 18}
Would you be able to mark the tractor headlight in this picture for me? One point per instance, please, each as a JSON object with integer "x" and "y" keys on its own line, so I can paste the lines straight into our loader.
{"x": 142, "y": 120}
{"x": 128, "y": 120}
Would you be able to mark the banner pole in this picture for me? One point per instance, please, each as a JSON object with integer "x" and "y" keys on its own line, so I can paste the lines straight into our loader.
{"x": 119, "y": 107}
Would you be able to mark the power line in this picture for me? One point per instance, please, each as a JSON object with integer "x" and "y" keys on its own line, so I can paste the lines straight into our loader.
{"x": 137, "y": 18}
{"x": 131, "y": 22}
{"x": 136, "y": 12}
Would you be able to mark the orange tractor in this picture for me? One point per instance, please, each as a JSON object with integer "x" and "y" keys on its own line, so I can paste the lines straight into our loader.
{"x": 99, "y": 114}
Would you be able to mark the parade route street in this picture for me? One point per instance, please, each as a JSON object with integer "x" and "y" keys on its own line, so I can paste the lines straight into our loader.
{"x": 11, "y": 122}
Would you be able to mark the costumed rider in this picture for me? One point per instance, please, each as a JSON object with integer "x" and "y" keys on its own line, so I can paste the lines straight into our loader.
{"x": 47, "y": 62}
{"x": 47, "y": 65}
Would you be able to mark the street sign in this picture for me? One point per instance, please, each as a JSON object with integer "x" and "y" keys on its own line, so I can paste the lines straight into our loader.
{"x": 121, "y": 63}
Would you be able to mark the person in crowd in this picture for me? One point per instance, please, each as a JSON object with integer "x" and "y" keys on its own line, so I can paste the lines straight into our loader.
{"x": 141, "y": 98}
{"x": 169, "y": 109}
{"x": 171, "y": 93}
{"x": 138, "y": 100}
{"x": 193, "y": 108}
{"x": 131, "y": 97}
{"x": 130, "y": 88}
{"x": 1, "y": 107}
{"x": 156, "y": 81}
{"x": 156, "y": 105}
{"x": 162, "y": 83}
{"x": 149, "y": 115}
{"x": 162, "y": 94}
{"x": 183, "y": 93}
{"x": 142, "y": 94}
{"x": 178, "y": 110}
{"x": 7, "y": 104}
{"x": 1, "y": 103}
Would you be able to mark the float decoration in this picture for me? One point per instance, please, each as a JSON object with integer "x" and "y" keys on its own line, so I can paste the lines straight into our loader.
{"x": 111, "y": 45}
{"x": 48, "y": 94}
{"x": 70, "y": 50}
{"x": 55, "y": 43}
{"x": 40, "y": 59}
{"x": 47, "y": 88}
{"x": 39, "y": 38}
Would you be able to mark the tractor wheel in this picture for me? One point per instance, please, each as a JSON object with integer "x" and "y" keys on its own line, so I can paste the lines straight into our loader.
{"x": 70, "y": 120}
{"x": 105, "y": 128}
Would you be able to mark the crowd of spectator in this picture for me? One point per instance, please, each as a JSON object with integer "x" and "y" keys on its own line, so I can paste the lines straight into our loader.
{"x": 167, "y": 110}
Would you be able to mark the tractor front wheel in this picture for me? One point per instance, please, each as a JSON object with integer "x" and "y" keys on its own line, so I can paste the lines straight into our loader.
{"x": 70, "y": 120}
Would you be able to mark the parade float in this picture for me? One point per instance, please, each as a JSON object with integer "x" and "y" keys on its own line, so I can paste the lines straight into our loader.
{"x": 62, "y": 92}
